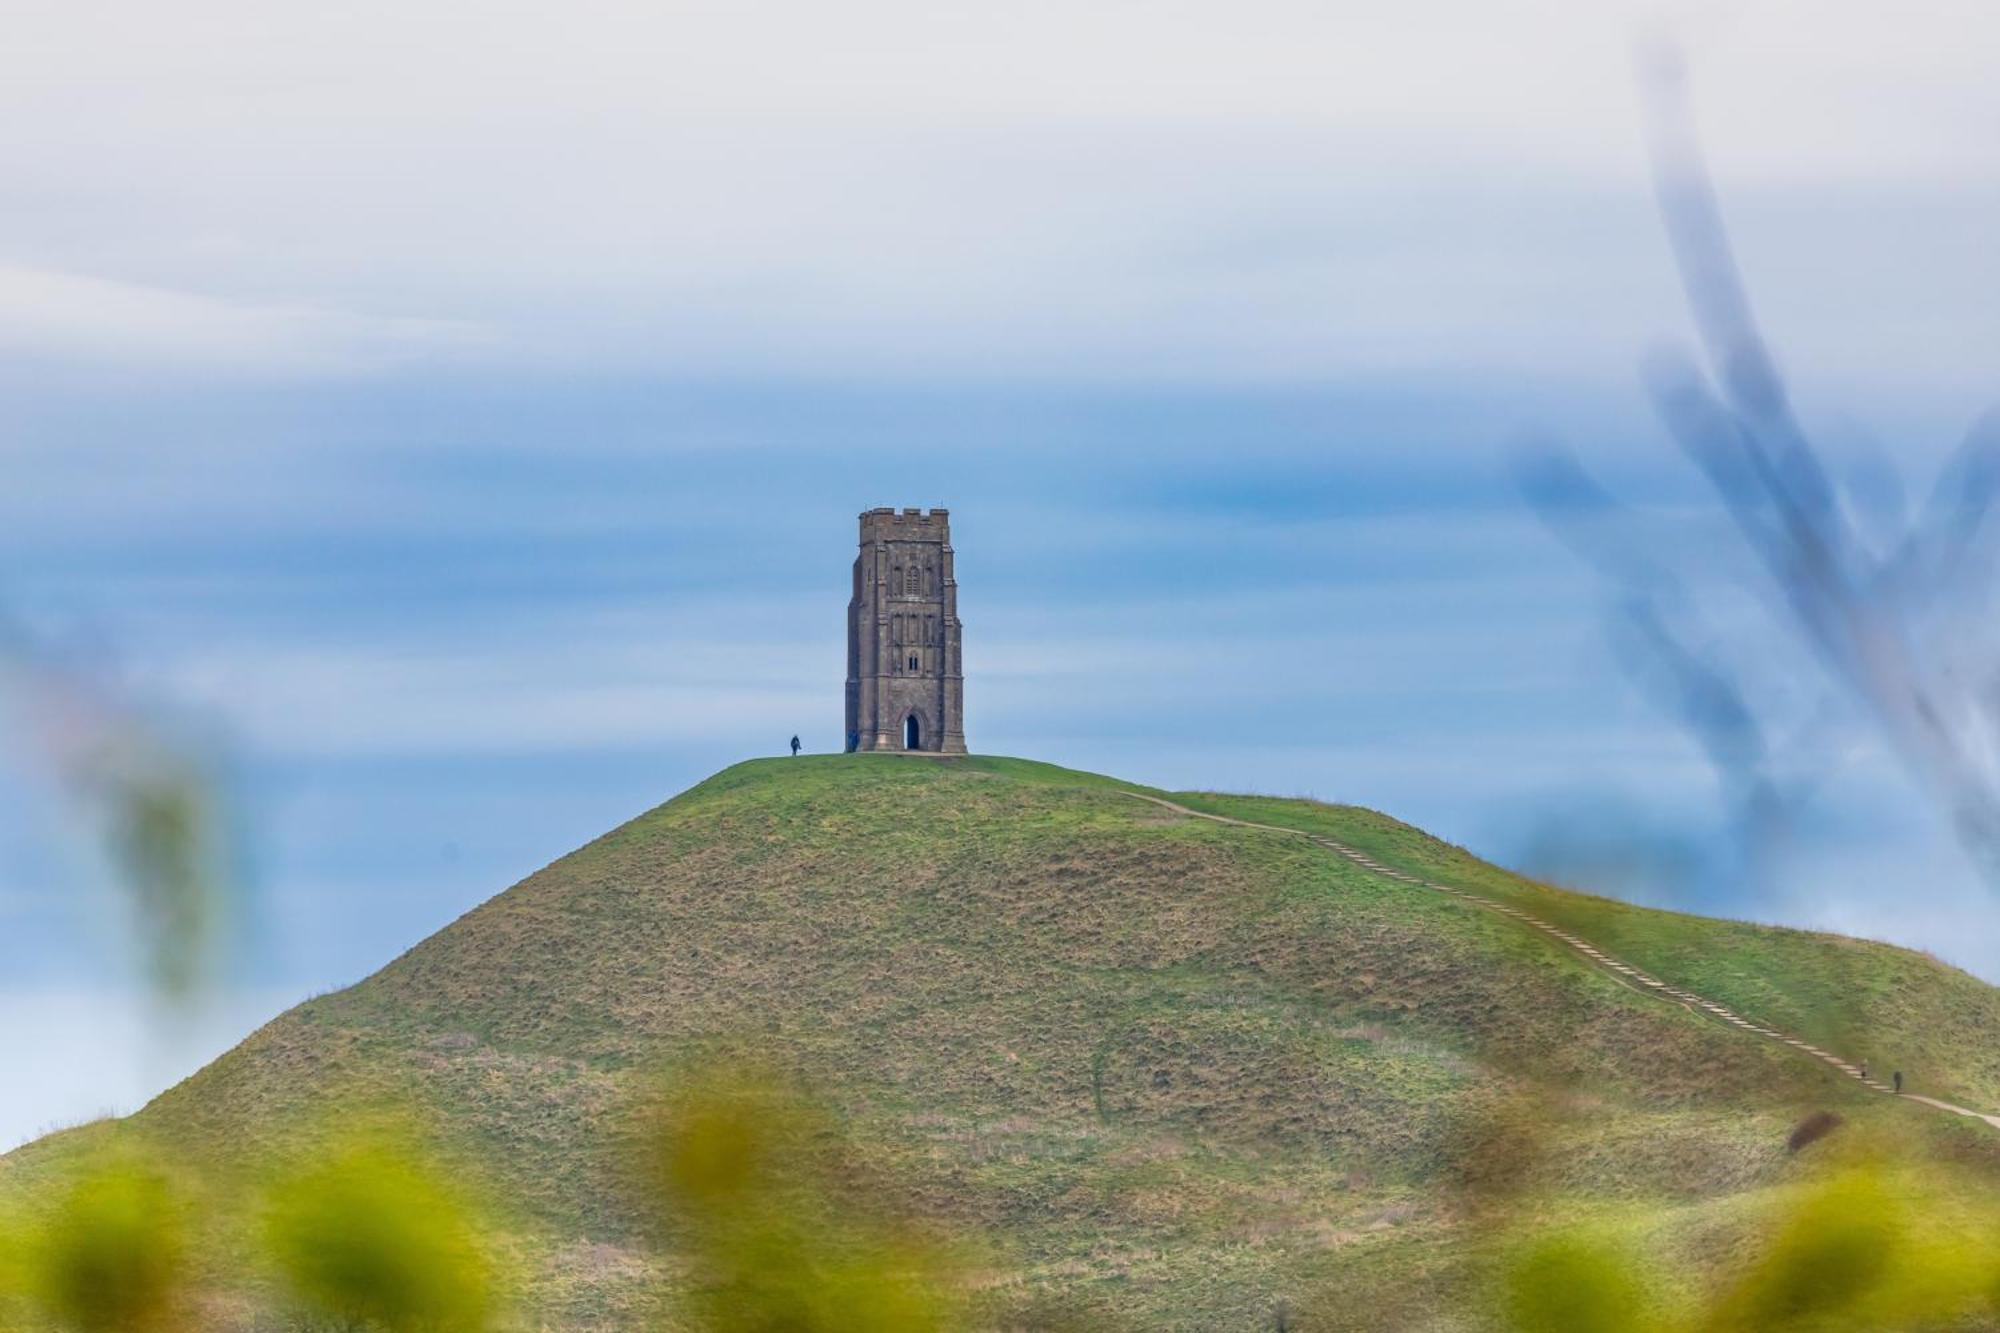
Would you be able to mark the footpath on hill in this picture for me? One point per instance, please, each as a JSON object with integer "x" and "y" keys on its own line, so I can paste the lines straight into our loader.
{"x": 1619, "y": 969}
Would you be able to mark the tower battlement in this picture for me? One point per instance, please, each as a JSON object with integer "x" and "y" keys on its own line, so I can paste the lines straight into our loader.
{"x": 918, "y": 524}
{"x": 905, "y": 676}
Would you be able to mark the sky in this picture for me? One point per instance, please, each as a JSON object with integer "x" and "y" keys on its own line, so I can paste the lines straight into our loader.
{"x": 454, "y": 418}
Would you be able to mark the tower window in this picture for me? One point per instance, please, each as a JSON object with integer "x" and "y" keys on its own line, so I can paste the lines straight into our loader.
{"x": 913, "y": 580}
{"x": 913, "y": 662}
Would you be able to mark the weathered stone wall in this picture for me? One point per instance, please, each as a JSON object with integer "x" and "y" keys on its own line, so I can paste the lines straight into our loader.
{"x": 903, "y": 641}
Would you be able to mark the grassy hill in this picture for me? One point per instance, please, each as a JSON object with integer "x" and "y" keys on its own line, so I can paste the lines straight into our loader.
{"x": 1168, "y": 1072}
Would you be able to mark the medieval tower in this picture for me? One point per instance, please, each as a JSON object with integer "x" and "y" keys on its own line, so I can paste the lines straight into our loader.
{"x": 905, "y": 679}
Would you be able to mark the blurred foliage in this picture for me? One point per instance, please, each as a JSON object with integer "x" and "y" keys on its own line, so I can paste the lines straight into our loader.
{"x": 149, "y": 791}
{"x": 371, "y": 1237}
{"x": 773, "y": 1222}
{"x": 1843, "y": 1245}
{"x": 782, "y": 1226}
{"x": 1877, "y": 1244}
{"x": 1811, "y": 1130}
{"x": 164, "y": 831}
{"x": 1867, "y": 1245}
{"x": 109, "y": 1256}
{"x": 1574, "y": 1283}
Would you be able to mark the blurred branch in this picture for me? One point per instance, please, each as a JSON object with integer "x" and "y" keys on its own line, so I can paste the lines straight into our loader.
{"x": 1897, "y": 632}
{"x": 151, "y": 797}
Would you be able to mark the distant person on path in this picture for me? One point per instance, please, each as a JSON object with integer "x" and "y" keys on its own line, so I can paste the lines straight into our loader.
{"x": 795, "y": 747}
{"x": 1897, "y": 1079}
{"x": 1864, "y": 1073}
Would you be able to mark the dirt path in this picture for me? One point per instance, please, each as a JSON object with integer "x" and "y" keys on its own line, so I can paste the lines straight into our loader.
{"x": 1623, "y": 971}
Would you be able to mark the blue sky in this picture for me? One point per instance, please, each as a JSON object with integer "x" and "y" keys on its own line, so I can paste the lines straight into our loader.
{"x": 459, "y": 421}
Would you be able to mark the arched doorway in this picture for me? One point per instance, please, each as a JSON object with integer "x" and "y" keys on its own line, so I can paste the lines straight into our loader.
{"x": 912, "y": 733}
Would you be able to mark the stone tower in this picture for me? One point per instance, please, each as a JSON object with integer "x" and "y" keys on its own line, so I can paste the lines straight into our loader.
{"x": 905, "y": 679}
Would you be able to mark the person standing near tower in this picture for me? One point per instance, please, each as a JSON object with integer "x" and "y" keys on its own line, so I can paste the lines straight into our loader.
{"x": 795, "y": 747}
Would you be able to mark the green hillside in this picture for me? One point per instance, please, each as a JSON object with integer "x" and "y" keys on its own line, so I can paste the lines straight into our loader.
{"x": 1161, "y": 1070}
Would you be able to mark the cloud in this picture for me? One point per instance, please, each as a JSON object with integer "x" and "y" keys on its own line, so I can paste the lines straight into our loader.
{"x": 1186, "y": 192}
{"x": 48, "y": 314}
{"x": 1544, "y": 80}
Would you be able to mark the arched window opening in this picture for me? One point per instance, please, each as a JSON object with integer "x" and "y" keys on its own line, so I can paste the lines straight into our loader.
{"x": 912, "y": 734}
{"x": 913, "y": 663}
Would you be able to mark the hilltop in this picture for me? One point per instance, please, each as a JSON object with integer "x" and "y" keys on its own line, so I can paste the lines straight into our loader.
{"x": 1171, "y": 1071}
